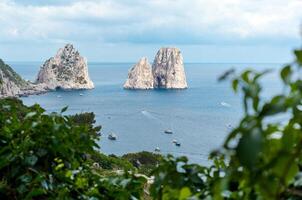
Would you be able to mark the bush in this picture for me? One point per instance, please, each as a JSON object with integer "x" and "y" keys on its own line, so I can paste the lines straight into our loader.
{"x": 49, "y": 156}
{"x": 144, "y": 161}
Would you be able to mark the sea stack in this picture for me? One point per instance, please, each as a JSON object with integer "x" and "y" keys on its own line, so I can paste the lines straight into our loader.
{"x": 168, "y": 69}
{"x": 66, "y": 70}
{"x": 140, "y": 76}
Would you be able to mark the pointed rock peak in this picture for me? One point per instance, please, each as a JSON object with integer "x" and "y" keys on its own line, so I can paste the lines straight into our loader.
{"x": 68, "y": 48}
{"x": 140, "y": 76}
{"x": 143, "y": 61}
{"x": 168, "y": 69}
{"x": 67, "y": 70}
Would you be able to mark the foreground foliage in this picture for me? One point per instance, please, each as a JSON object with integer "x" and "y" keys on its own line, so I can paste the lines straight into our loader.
{"x": 53, "y": 156}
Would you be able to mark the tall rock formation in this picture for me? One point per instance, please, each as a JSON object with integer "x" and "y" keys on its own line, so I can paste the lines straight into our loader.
{"x": 168, "y": 69}
{"x": 66, "y": 70}
{"x": 11, "y": 84}
{"x": 140, "y": 76}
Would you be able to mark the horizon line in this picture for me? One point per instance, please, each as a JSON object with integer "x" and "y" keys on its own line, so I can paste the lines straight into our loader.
{"x": 132, "y": 62}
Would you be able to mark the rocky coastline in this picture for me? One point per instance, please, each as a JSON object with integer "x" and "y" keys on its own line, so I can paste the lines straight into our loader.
{"x": 66, "y": 70}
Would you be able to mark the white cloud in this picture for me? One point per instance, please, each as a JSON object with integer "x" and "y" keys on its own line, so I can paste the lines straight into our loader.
{"x": 171, "y": 21}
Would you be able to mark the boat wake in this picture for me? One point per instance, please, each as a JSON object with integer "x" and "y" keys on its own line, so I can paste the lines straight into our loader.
{"x": 224, "y": 104}
{"x": 148, "y": 115}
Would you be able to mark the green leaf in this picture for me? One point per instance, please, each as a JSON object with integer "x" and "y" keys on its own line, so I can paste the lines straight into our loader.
{"x": 298, "y": 54}
{"x": 235, "y": 84}
{"x": 286, "y": 74}
{"x": 64, "y": 109}
{"x": 245, "y": 76}
{"x": 31, "y": 160}
{"x": 184, "y": 193}
{"x": 34, "y": 193}
{"x": 249, "y": 147}
{"x": 277, "y": 105}
{"x": 285, "y": 168}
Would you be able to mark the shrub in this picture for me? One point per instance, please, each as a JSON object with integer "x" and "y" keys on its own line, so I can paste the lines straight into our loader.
{"x": 144, "y": 161}
{"x": 49, "y": 156}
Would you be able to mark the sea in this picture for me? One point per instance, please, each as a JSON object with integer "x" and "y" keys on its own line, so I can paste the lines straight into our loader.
{"x": 200, "y": 117}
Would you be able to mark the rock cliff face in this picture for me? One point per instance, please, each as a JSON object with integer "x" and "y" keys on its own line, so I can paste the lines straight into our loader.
{"x": 140, "y": 76}
{"x": 66, "y": 70}
{"x": 11, "y": 84}
{"x": 168, "y": 69}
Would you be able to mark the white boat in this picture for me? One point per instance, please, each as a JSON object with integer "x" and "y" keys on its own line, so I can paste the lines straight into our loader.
{"x": 168, "y": 131}
{"x": 81, "y": 94}
{"x": 112, "y": 136}
{"x": 174, "y": 141}
{"x": 59, "y": 96}
{"x": 157, "y": 149}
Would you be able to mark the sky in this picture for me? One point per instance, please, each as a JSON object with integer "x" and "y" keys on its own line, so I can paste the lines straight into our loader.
{"x": 208, "y": 31}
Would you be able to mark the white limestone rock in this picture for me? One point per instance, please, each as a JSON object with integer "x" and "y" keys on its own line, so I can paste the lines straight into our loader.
{"x": 168, "y": 69}
{"x": 66, "y": 70}
{"x": 140, "y": 76}
{"x": 12, "y": 85}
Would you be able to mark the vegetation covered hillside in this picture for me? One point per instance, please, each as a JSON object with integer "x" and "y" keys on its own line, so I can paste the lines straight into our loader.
{"x": 7, "y": 72}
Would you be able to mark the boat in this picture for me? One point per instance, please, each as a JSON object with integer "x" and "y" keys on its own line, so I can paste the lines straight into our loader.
{"x": 157, "y": 149}
{"x": 112, "y": 136}
{"x": 229, "y": 126}
{"x": 177, "y": 144}
{"x": 168, "y": 131}
{"x": 59, "y": 96}
{"x": 81, "y": 94}
{"x": 174, "y": 141}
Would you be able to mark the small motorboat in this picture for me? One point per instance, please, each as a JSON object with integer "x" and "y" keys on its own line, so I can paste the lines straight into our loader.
{"x": 157, "y": 149}
{"x": 168, "y": 131}
{"x": 177, "y": 144}
{"x": 81, "y": 94}
{"x": 229, "y": 126}
{"x": 59, "y": 96}
{"x": 112, "y": 136}
{"x": 174, "y": 141}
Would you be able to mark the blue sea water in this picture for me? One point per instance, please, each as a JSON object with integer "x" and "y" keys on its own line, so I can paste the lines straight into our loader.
{"x": 198, "y": 116}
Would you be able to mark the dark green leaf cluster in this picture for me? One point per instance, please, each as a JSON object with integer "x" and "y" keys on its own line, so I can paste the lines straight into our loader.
{"x": 52, "y": 156}
{"x": 144, "y": 161}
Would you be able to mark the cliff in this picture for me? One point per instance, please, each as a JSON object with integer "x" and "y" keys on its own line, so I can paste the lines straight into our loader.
{"x": 11, "y": 83}
{"x": 168, "y": 69}
{"x": 66, "y": 70}
{"x": 140, "y": 76}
